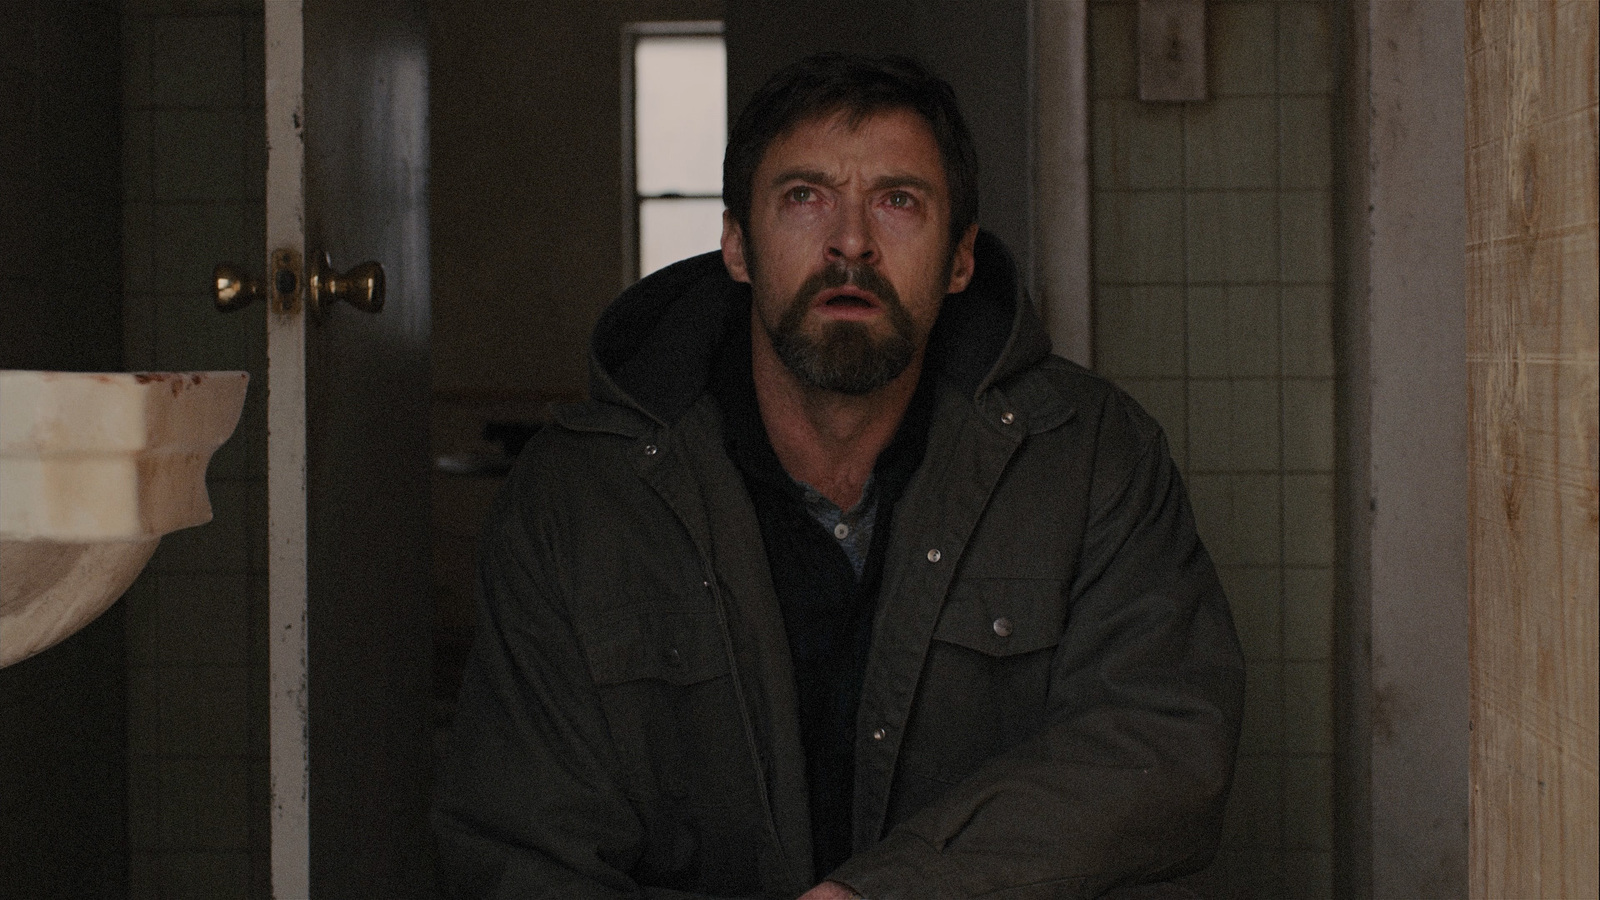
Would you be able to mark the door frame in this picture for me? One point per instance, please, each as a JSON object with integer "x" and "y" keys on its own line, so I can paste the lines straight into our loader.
{"x": 286, "y": 452}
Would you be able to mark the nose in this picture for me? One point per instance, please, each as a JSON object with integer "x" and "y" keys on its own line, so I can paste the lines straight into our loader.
{"x": 852, "y": 240}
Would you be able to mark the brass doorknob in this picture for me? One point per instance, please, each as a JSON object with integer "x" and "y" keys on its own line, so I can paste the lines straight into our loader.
{"x": 361, "y": 287}
{"x": 232, "y": 288}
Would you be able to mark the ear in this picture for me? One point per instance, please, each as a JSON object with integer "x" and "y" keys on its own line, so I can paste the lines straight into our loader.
{"x": 961, "y": 263}
{"x": 733, "y": 248}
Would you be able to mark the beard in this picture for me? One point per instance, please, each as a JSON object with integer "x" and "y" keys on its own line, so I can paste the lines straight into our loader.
{"x": 845, "y": 356}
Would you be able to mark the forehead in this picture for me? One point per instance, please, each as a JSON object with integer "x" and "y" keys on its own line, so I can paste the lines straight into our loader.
{"x": 839, "y": 143}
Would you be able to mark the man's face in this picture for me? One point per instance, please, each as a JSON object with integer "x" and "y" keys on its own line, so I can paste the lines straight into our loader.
{"x": 849, "y": 254}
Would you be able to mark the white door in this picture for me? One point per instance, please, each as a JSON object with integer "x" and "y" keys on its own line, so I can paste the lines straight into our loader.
{"x": 350, "y": 613}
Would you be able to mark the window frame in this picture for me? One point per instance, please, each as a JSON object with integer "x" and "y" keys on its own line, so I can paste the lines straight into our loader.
{"x": 632, "y": 200}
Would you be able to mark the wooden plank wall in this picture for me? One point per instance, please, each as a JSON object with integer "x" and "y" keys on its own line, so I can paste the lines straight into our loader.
{"x": 1531, "y": 344}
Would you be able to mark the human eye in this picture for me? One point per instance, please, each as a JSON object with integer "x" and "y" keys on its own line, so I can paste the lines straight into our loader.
{"x": 800, "y": 193}
{"x": 900, "y": 200}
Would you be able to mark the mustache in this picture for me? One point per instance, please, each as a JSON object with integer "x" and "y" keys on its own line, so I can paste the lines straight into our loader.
{"x": 857, "y": 275}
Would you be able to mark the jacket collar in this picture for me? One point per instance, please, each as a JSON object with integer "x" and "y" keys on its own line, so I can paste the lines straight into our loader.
{"x": 655, "y": 347}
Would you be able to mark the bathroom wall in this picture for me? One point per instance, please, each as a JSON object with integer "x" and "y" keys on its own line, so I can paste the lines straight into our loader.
{"x": 63, "y": 780}
{"x": 194, "y": 173}
{"x": 1213, "y": 273}
{"x": 59, "y": 185}
{"x": 1401, "y": 615}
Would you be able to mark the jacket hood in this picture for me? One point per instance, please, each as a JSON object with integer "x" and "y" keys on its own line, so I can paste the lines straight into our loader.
{"x": 654, "y": 347}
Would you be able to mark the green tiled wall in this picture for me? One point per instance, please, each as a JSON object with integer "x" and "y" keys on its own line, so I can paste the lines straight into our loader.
{"x": 192, "y": 197}
{"x": 62, "y": 712}
{"x": 1213, "y": 265}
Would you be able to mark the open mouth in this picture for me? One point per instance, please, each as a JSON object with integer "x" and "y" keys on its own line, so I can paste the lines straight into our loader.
{"x": 846, "y": 299}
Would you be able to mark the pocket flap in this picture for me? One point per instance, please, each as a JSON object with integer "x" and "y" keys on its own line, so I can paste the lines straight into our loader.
{"x": 1003, "y": 616}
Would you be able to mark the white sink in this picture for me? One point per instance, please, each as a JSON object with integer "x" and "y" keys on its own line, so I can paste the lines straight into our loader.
{"x": 94, "y": 469}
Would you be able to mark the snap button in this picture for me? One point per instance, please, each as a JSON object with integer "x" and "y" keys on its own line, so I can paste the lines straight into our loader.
{"x": 841, "y": 531}
{"x": 934, "y": 555}
{"x": 649, "y": 449}
{"x": 1002, "y": 627}
{"x": 879, "y": 734}
{"x": 1007, "y": 418}
{"x": 673, "y": 656}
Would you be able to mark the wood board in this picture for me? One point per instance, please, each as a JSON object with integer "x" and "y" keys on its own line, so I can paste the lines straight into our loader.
{"x": 1531, "y": 357}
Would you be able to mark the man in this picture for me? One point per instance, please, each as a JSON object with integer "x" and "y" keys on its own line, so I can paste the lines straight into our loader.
{"x": 841, "y": 585}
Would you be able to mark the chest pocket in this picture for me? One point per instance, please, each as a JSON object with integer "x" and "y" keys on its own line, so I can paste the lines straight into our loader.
{"x": 1003, "y": 616}
{"x": 986, "y": 681}
{"x": 665, "y": 684}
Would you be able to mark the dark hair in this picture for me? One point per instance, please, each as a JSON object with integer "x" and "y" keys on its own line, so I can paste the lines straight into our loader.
{"x": 858, "y": 86}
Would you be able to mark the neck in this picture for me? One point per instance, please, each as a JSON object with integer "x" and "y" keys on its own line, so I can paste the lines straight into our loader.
{"x": 826, "y": 439}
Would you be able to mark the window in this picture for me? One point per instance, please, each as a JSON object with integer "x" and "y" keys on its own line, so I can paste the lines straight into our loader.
{"x": 677, "y": 123}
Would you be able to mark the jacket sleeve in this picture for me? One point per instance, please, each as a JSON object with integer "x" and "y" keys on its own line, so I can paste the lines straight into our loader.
{"x": 1125, "y": 781}
{"x": 528, "y": 803}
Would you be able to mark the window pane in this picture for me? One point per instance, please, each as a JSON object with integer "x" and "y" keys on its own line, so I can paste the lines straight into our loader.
{"x": 680, "y": 113}
{"x": 670, "y": 230}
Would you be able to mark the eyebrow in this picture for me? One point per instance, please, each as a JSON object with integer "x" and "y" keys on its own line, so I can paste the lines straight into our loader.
{"x": 883, "y": 182}
{"x": 815, "y": 175}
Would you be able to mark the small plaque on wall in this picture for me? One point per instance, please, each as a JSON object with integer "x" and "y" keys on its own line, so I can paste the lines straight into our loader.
{"x": 1172, "y": 50}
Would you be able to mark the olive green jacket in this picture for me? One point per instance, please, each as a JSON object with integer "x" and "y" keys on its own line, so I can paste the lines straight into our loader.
{"x": 1052, "y": 699}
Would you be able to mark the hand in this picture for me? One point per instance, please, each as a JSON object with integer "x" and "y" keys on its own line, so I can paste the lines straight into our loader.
{"x": 830, "y": 890}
